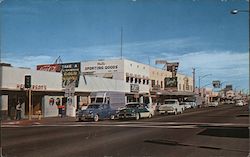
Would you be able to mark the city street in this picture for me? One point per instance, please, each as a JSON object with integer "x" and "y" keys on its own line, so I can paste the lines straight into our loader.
{"x": 208, "y": 132}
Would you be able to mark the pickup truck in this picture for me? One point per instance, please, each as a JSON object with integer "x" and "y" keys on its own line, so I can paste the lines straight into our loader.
{"x": 171, "y": 106}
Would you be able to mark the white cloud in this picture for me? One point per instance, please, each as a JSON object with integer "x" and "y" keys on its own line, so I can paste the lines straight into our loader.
{"x": 223, "y": 65}
{"x": 28, "y": 61}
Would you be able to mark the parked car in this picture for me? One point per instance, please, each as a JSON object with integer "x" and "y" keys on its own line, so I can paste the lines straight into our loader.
{"x": 135, "y": 110}
{"x": 213, "y": 104}
{"x": 171, "y": 106}
{"x": 96, "y": 112}
{"x": 186, "y": 105}
{"x": 239, "y": 103}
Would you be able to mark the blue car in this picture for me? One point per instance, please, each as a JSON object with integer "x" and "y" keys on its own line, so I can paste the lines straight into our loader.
{"x": 96, "y": 112}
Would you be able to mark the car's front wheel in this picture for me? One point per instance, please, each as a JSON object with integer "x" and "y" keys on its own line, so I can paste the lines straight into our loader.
{"x": 150, "y": 115}
{"x": 96, "y": 118}
{"x": 112, "y": 117}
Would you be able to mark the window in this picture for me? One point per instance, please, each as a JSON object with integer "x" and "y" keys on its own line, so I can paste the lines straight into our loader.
{"x": 136, "y": 80}
{"x": 153, "y": 83}
{"x": 139, "y": 80}
{"x": 179, "y": 86}
{"x": 131, "y": 79}
{"x": 161, "y": 84}
{"x": 99, "y": 100}
{"x": 147, "y": 81}
{"x": 127, "y": 79}
{"x": 143, "y": 81}
{"x": 92, "y": 100}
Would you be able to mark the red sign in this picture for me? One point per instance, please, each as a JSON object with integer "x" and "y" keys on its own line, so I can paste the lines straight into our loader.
{"x": 49, "y": 67}
{"x": 33, "y": 87}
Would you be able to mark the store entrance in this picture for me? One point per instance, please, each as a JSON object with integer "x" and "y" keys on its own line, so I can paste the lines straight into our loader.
{"x": 13, "y": 100}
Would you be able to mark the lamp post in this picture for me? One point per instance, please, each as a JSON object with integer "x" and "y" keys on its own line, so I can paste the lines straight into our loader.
{"x": 201, "y": 77}
{"x": 236, "y": 11}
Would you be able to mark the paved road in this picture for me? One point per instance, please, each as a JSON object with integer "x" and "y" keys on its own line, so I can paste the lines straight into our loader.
{"x": 206, "y": 132}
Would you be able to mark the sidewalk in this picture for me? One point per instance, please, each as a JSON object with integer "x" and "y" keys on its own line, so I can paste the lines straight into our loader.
{"x": 36, "y": 121}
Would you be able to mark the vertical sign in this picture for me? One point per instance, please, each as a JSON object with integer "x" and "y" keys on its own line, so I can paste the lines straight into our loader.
{"x": 70, "y": 74}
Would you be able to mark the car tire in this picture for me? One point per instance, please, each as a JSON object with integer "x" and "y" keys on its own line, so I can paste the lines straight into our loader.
{"x": 150, "y": 115}
{"x": 79, "y": 119}
{"x": 96, "y": 118}
{"x": 112, "y": 117}
{"x": 137, "y": 116}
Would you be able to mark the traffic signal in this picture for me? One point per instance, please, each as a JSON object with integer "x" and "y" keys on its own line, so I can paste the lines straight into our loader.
{"x": 27, "y": 83}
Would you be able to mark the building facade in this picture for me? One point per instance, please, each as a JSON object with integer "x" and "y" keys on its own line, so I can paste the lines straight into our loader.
{"x": 48, "y": 90}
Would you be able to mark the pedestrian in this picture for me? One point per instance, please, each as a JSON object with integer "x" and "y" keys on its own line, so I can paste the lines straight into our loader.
{"x": 18, "y": 111}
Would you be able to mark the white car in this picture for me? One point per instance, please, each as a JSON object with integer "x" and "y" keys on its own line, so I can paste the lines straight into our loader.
{"x": 239, "y": 103}
{"x": 213, "y": 104}
{"x": 171, "y": 106}
{"x": 186, "y": 105}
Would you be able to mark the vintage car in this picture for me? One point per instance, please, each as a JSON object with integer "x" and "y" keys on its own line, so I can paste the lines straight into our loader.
{"x": 96, "y": 112}
{"x": 136, "y": 111}
{"x": 239, "y": 103}
{"x": 186, "y": 105}
{"x": 213, "y": 104}
{"x": 171, "y": 106}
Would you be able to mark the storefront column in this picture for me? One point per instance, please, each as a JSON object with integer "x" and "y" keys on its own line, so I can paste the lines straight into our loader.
{"x": 4, "y": 106}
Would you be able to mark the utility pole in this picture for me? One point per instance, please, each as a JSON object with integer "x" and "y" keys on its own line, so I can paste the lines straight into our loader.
{"x": 30, "y": 107}
{"x": 193, "y": 80}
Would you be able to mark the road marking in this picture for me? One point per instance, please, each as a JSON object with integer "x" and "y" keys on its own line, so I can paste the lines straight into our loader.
{"x": 166, "y": 125}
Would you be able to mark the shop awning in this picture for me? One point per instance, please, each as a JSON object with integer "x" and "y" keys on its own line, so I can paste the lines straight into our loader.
{"x": 177, "y": 93}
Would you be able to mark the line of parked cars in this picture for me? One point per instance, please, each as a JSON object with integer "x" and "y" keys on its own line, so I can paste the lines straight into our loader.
{"x": 132, "y": 110}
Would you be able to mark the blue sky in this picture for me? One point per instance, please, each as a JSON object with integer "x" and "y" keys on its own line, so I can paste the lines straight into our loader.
{"x": 197, "y": 33}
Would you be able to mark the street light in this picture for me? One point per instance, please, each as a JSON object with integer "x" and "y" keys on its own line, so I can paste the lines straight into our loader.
{"x": 236, "y": 11}
{"x": 200, "y": 77}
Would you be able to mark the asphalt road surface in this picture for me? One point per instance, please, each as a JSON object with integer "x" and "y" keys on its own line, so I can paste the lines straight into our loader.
{"x": 207, "y": 132}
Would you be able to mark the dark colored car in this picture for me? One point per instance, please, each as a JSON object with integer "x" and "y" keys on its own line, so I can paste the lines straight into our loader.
{"x": 96, "y": 112}
{"x": 135, "y": 111}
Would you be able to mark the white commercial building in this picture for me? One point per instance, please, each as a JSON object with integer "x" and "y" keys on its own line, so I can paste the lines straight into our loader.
{"x": 48, "y": 93}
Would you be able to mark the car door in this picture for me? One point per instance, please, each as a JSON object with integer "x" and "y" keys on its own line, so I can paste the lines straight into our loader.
{"x": 101, "y": 111}
{"x": 144, "y": 112}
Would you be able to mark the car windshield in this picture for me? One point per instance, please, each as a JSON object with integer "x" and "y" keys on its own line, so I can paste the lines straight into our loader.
{"x": 93, "y": 106}
{"x": 99, "y": 100}
{"x": 170, "y": 102}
